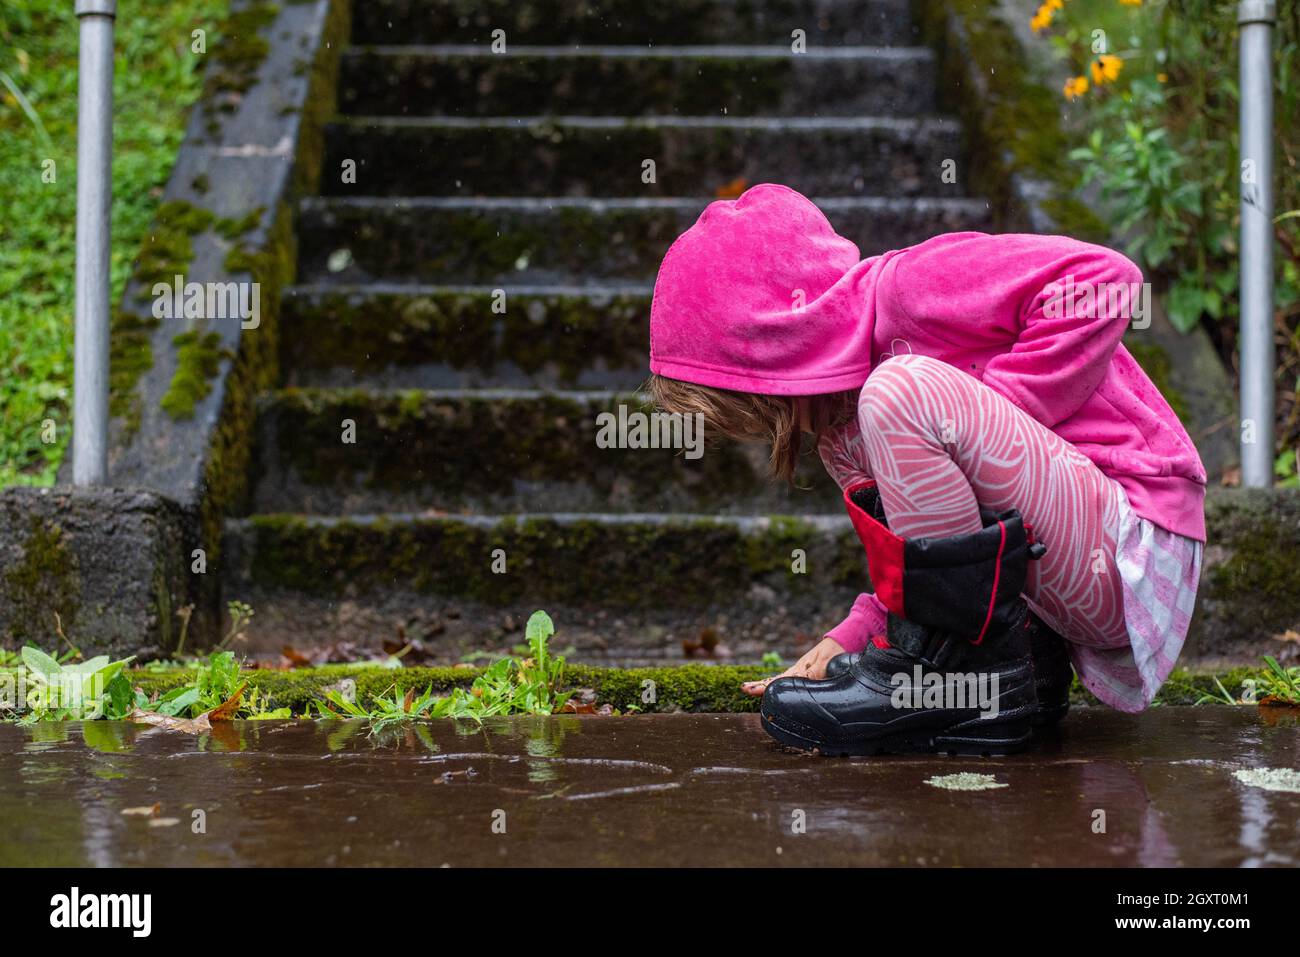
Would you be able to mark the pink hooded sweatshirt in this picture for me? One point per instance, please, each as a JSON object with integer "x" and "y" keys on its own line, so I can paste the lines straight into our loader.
{"x": 761, "y": 295}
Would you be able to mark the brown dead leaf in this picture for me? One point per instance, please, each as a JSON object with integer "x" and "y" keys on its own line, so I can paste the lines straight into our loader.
{"x": 1289, "y": 635}
{"x": 295, "y": 657}
{"x": 168, "y": 723}
{"x": 150, "y": 811}
{"x": 227, "y": 710}
{"x": 732, "y": 189}
{"x": 409, "y": 697}
{"x": 705, "y": 645}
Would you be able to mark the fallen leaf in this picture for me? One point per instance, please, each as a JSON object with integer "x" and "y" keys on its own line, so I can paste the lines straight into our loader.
{"x": 150, "y": 811}
{"x": 1289, "y": 635}
{"x": 732, "y": 189}
{"x": 227, "y": 710}
{"x": 406, "y": 701}
{"x": 295, "y": 657}
{"x": 186, "y": 725}
{"x": 164, "y": 822}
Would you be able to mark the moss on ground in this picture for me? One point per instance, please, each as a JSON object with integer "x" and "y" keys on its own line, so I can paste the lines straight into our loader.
{"x": 689, "y": 688}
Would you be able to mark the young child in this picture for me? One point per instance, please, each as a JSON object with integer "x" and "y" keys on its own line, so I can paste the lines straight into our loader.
{"x": 1014, "y": 476}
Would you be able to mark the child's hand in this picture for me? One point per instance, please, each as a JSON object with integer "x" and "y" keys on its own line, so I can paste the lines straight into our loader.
{"x": 811, "y": 665}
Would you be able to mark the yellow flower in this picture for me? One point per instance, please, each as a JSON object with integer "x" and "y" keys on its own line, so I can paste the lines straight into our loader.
{"x": 1106, "y": 68}
{"x": 1075, "y": 87}
{"x": 1162, "y": 77}
{"x": 1043, "y": 18}
{"x": 1131, "y": 3}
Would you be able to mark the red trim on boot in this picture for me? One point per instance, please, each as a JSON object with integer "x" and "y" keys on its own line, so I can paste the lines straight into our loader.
{"x": 997, "y": 574}
{"x": 880, "y": 641}
{"x": 884, "y": 553}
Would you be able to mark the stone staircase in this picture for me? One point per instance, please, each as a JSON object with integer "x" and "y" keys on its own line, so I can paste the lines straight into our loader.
{"x": 480, "y": 293}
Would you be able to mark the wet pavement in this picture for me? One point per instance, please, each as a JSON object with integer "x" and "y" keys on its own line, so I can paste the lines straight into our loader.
{"x": 1107, "y": 789}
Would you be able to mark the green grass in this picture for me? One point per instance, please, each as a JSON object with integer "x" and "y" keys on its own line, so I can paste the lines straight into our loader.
{"x": 156, "y": 79}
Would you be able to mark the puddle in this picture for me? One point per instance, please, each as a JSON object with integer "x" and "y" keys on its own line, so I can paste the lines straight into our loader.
{"x": 651, "y": 790}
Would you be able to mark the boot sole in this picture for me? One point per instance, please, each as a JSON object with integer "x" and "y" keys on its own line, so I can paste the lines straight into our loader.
{"x": 996, "y": 741}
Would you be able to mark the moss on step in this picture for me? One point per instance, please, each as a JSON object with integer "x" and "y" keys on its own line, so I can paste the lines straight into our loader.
{"x": 254, "y": 370}
{"x": 1257, "y": 531}
{"x": 404, "y": 438}
{"x": 233, "y": 229}
{"x": 164, "y": 254}
{"x": 236, "y": 57}
{"x": 43, "y": 583}
{"x": 524, "y": 85}
{"x": 198, "y": 360}
{"x": 690, "y": 688}
{"x": 370, "y": 333}
{"x": 627, "y": 564}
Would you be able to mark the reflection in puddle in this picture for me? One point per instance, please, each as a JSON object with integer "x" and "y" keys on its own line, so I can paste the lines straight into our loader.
{"x": 667, "y": 790}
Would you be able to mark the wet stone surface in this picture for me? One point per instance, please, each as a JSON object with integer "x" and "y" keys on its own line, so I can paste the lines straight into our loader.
{"x": 645, "y": 790}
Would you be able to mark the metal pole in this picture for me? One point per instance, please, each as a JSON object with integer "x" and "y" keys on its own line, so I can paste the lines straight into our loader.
{"x": 94, "y": 205}
{"x": 1256, "y": 19}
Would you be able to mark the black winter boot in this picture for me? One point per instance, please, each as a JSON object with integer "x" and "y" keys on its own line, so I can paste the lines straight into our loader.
{"x": 956, "y": 675}
{"x": 1052, "y": 672}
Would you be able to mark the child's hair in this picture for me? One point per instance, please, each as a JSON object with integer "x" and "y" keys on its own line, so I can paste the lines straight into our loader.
{"x": 746, "y": 416}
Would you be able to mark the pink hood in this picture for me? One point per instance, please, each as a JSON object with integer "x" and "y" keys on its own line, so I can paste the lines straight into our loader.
{"x": 761, "y": 295}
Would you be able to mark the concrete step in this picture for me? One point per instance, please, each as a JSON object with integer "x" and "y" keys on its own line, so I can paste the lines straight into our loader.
{"x": 824, "y": 22}
{"x": 608, "y": 156}
{"x": 554, "y": 240}
{"x": 713, "y": 81}
{"x": 635, "y": 585}
{"x": 504, "y": 451}
{"x": 440, "y": 337}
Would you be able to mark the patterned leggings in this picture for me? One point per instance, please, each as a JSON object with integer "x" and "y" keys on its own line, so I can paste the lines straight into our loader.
{"x": 938, "y": 441}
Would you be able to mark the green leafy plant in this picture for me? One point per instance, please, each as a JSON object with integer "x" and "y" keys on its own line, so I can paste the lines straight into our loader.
{"x": 38, "y": 149}
{"x": 214, "y": 683}
{"x": 507, "y": 686}
{"x": 1278, "y": 685}
{"x": 1155, "y": 93}
{"x": 74, "y": 692}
